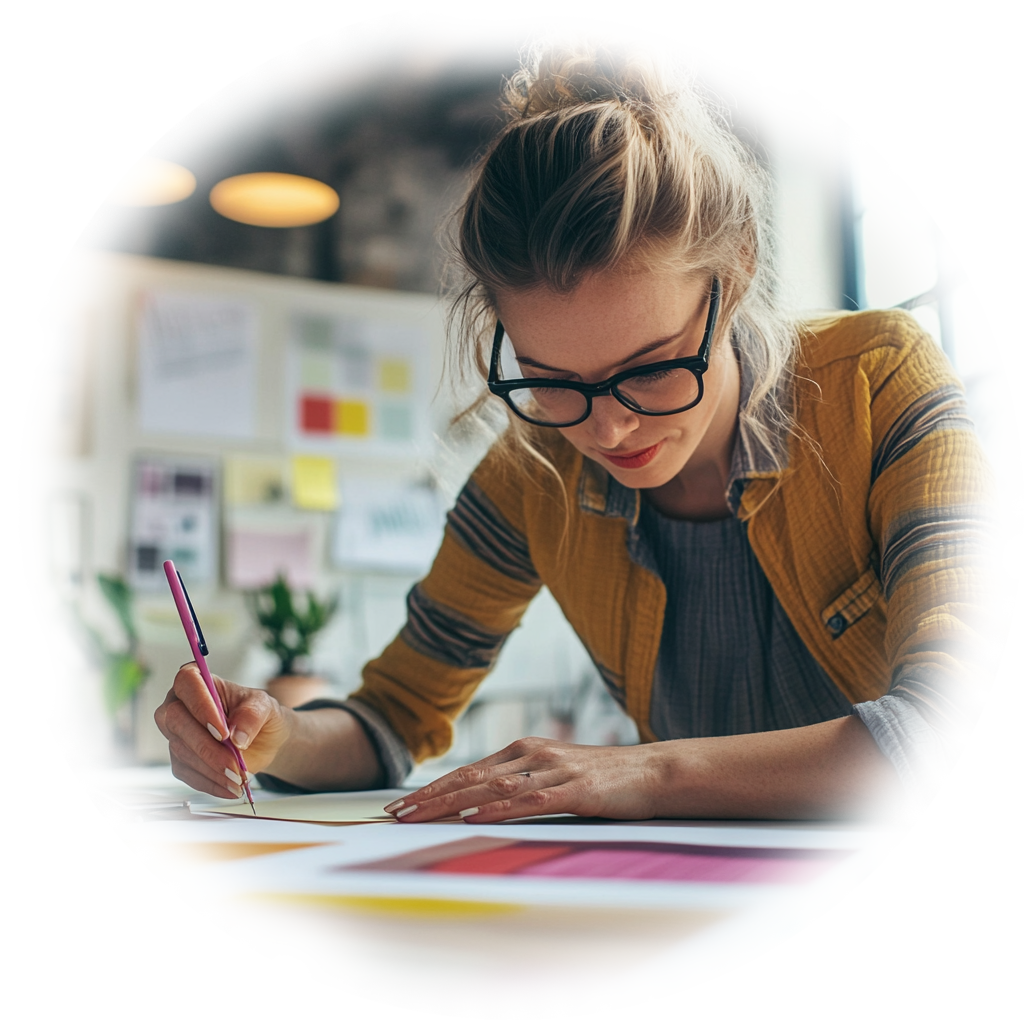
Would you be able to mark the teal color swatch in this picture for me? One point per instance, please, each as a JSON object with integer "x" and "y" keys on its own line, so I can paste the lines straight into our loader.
{"x": 946, "y": 919}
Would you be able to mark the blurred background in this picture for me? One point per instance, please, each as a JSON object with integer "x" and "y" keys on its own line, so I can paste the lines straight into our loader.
{"x": 253, "y": 385}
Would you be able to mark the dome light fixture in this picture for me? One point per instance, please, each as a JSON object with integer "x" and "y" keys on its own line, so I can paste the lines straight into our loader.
{"x": 125, "y": 178}
{"x": 271, "y": 200}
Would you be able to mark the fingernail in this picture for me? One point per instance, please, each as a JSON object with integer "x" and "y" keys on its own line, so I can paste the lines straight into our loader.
{"x": 393, "y": 806}
{"x": 408, "y": 810}
{"x": 214, "y": 733}
{"x": 237, "y": 790}
{"x": 468, "y": 811}
{"x": 233, "y": 776}
{"x": 240, "y": 739}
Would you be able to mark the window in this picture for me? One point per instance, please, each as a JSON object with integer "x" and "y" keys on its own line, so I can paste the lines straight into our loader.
{"x": 932, "y": 154}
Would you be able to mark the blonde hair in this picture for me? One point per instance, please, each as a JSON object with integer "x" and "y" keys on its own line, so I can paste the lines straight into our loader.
{"x": 602, "y": 164}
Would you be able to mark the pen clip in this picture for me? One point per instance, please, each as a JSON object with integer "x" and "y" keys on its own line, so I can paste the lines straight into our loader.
{"x": 203, "y": 649}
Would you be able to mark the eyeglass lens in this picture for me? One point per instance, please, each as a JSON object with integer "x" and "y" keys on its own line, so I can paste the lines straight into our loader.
{"x": 662, "y": 391}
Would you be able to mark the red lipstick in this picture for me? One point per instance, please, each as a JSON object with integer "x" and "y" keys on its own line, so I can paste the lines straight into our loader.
{"x": 633, "y": 460}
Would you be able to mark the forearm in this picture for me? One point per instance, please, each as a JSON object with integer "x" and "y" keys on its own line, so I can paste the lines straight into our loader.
{"x": 817, "y": 771}
{"x": 326, "y": 749}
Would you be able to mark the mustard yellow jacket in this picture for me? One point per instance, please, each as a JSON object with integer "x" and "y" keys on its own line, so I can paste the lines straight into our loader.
{"x": 870, "y": 537}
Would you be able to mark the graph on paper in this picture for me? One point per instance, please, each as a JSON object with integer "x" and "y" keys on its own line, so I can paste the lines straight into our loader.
{"x": 619, "y": 861}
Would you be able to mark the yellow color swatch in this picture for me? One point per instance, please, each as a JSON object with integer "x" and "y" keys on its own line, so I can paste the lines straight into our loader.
{"x": 352, "y": 417}
{"x": 751, "y": 998}
{"x": 375, "y": 906}
{"x": 252, "y": 481}
{"x": 395, "y": 375}
{"x": 314, "y": 482}
{"x": 46, "y": 867}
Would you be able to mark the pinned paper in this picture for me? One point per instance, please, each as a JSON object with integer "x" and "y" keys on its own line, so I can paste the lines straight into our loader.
{"x": 249, "y": 481}
{"x": 314, "y": 482}
{"x": 257, "y": 557}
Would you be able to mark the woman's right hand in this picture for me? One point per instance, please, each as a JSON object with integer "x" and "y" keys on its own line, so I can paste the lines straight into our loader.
{"x": 189, "y": 719}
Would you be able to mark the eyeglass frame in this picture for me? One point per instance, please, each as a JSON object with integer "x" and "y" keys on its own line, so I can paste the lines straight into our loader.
{"x": 697, "y": 365}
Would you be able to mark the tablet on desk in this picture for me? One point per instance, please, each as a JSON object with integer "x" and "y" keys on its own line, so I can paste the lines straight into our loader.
{"x": 40, "y": 777}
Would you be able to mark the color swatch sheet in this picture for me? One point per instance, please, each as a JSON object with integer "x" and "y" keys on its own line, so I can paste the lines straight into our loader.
{"x": 317, "y": 808}
{"x": 231, "y": 919}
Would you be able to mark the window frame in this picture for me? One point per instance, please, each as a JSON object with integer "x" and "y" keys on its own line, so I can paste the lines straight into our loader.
{"x": 918, "y": 58}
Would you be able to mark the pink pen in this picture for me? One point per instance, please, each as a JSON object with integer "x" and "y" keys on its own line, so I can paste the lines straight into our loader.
{"x": 197, "y": 642}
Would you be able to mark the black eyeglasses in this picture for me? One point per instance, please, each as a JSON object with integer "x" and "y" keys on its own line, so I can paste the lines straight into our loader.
{"x": 657, "y": 389}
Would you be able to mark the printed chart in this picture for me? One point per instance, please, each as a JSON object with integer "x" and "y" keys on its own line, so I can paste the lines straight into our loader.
{"x": 637, "y": 861}
{"x": 359, "y": 385}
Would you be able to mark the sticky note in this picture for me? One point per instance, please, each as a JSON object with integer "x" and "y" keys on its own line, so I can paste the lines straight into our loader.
{"x": 352, "y": 417}
{"x": 315, "y": 332}
{"x": 315, "y": 370}
{"x": 752, "y": 998}
{"x": 395, "y": 421}
{"x": 255, "y": 557}
{"x": 314, "y": 482}
{"x": 251, "y": 481}
{"x": 394, "y": 375}
{"x": 316, "y": 414}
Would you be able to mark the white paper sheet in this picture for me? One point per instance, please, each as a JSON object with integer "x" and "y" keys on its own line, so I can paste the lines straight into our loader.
{"x": 385, "y": 525}
{"x": 197, "y": 365}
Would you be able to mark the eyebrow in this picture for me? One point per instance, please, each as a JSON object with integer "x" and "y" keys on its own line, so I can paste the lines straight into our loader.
{"x": 642, "y": 351}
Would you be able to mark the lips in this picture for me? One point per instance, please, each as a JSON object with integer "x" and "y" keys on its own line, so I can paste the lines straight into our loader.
{"x": 633, "y": 460}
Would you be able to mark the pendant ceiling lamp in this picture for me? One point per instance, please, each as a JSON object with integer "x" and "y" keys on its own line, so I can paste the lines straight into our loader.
{"x": 269, "y": 200}
{"x": 273, "y": 193}
{"x": 114, "y": 164}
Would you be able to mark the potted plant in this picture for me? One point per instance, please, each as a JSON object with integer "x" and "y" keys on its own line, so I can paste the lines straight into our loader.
{"x": 288, "y": 631}
{"x": 57, "y": 648}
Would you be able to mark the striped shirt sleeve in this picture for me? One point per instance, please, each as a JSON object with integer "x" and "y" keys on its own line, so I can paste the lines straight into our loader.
{"x": 931, "y": 514}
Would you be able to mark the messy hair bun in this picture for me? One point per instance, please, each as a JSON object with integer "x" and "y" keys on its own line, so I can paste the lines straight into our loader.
{"x": 590, "y": 62}
{"x": 604, "y": 163}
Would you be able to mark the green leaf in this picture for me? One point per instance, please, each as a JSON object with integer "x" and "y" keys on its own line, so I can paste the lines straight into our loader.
{"x": 122, "y": 678}
{"x": 119, "y": 594}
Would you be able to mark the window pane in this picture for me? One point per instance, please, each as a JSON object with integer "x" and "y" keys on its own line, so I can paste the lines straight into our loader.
{"x": 893, "y": 145}
{"x": 899, "y": 253}
{"x": 986, "y": 197}
{"x": 983, "y": 87}
{"x": 988, "y": 321}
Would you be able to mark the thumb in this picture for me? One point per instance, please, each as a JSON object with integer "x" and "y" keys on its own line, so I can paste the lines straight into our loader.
{"x": 249, "y": 715}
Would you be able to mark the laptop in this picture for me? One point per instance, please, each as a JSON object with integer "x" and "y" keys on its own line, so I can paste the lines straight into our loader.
{"x": 39, "y": 777}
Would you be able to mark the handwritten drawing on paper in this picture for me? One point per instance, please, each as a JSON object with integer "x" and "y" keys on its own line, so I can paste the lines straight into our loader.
{"x": 197, "y": 365}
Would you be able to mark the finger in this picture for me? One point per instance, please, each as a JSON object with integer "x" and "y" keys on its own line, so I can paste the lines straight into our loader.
{"x": 501, "y": 763}
{"x": 247, "y": 716}
{"x": 190, "y": 689}
{"x": 159, "y": 716}
{"x": 497, "y": 788}
{"x": 183, "y": 730}
{"x": 558, "y": 800}
{"x": 225, "y": 777}
{"x": 199, "y": 782}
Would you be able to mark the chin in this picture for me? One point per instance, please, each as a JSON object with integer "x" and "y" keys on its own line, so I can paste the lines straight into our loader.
{"x": 646, "y": 477}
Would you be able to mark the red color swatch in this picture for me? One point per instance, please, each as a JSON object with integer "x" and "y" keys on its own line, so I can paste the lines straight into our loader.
{"x": 503, "y": 861}
{"x": 316, "y": 414}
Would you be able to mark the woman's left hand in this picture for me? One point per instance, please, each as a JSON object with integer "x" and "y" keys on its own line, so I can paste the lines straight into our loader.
{"x": 540, "y": 776}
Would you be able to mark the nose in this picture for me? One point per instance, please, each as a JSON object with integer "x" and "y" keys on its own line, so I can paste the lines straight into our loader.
{"x": 610, "y": 422}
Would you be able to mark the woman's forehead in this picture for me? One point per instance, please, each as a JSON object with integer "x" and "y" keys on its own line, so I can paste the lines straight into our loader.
{"x": 607, "y": 315}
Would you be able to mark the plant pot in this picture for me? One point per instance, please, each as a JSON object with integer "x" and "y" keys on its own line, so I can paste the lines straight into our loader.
{"x": 291, "y": 691}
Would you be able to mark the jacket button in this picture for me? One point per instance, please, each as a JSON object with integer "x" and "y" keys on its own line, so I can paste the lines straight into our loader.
{"x": 836, "y": 624}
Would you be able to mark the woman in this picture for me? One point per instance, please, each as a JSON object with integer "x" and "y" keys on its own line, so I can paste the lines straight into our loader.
{"x": 764, "y": 533}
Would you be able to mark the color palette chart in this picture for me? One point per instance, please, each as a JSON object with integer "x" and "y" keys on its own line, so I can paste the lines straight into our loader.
{"x": 358, "y": 384}
{"x": 621, "y": 861}
{"x": 272, "y": 919}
